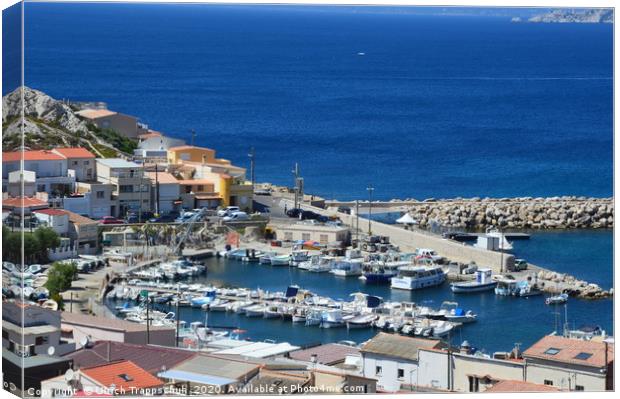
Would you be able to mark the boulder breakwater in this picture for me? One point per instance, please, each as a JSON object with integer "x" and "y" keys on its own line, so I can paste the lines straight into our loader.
{"x": 509, "y": 213}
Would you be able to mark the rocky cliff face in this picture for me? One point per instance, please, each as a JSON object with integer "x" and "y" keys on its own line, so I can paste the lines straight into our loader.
{"x": 48, "y": 123}
{"x": 597, "y": 15}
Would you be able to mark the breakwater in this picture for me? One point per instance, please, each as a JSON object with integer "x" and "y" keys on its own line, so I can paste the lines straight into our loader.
{"x": 568, "y": 212}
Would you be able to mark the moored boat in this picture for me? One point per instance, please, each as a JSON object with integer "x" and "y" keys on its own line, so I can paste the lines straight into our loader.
{"x": 483, "y": 282}
{"x": 418, "y": 277}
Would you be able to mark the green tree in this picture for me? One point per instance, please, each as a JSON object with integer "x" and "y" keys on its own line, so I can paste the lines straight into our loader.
{"x": 47, "y": 238}
{"x": 60, "y": 276}
{"x": 32, "y": 248}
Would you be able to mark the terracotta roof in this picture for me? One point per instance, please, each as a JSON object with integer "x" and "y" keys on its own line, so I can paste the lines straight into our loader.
{"x": 568, "y": 350}
{"x": 79, "y": 219}
{"x": 195, "y": 182}
{"x": 76, "y": 152}
{"x": 392, "y": 345}
{"x": 51, "y": 211}
{"x": 162, "y": 177}
{"x": 326, "y": 354}
{"x": 125, "y": 375}
{"x": 520, "y": 386}
{"x": 95, "y": 113}
{"x": 38, "y": 155}
{"x": 27, "y": 202}
{"x": 188, "y": 147}
{"x": 150, "y": 358}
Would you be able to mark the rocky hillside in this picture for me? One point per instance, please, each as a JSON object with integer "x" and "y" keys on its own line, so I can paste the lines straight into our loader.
{"x": 51, "y": 123}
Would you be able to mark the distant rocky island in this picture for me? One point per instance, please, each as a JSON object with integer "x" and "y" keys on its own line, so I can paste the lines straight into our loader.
{"x": 581, "y": 16}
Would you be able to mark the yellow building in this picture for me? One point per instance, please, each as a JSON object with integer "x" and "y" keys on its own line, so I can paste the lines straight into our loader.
{"x": 228, "y": 180}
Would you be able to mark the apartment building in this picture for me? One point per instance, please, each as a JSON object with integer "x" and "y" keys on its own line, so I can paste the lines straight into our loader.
{"x": 131, "y": 188}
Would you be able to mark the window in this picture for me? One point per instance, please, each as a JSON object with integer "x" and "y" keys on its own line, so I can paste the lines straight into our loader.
{"x": 583, "y": 356}
{"x": 100, "y": 194}
{"x": 552, "y": 351}
{"x": 5, "y": 334}
{"x": 126, "y": 188}
{"x": 378, "y": 370}
{"x": 288, "y": 236}
{"x": 40, "y": 340}
{"x": 323, "y": 238}
{"x": 40, "y": 188}
{"x": 201, "y": 188}
{"x": 548, "y": 382}
{"x": 75, "y": 162}
{"x": 305, "y": 236}
{"x": 125, "y": 377}
{"x": 86, "y": 162}
{"x": 578, "y": 387}
{"x": 401, "y": 373}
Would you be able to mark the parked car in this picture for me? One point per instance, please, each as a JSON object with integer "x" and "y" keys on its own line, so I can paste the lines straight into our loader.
{"x": 344, "y": 209}
{"x": 111, "y": 220}
{"x": 167, "y": 218}
{"x": 426, "y": 253}
{"x": 520, "y": 264}
{"x": 132, "y": 217}
{"x": 228, "y": 211}
{"x": 236, "y": 216}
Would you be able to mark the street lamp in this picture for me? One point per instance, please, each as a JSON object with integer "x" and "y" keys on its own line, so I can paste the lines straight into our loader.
{"x": 370, "y": 189}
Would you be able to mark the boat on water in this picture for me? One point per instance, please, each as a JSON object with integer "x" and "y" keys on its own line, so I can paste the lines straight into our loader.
{"x": 347, "y": 267}
{"x": 381, "y": 272}
{"x": 265, "y": 258}
{"x": 271, "y": 312}
{"x": 557, "y": 299}
{"x": 313, "y": 317}
{"x": 508, "y": 287}
{"x": 280, "y": 260}
{"x": 361, "y": 321}
{"x": 418, "y": 277}
{"x": 332, "y": 319}
{"x": 239, "y": 306}
{"x": 299, "y": 315}
{"x": 298, "y": 256}
{"x": 255, "y": 310}
{"x": 483, "y": 282}
{"x": 317, "y": 264}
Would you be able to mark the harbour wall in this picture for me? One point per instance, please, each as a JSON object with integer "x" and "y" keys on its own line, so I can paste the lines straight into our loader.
{"x": 409, "y": 240}
{"x": 508, "y": 213}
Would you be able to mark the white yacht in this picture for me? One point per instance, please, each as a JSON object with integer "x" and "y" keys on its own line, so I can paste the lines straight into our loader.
{"x": 417, "y": 277}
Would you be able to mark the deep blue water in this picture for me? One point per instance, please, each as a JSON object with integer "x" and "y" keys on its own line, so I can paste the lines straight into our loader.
{"x": 439, "y": 106}
{"x": 502, "y": 321}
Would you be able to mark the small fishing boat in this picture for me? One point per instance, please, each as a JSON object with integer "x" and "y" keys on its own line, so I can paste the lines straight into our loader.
{"x": 361, "y": 321}
{"x": 458, "y": 315}
{"x": 280, "y": 260}
{"x": 483, "y": 282}
{"x": 255, "y": 310}
{"x": 347, "y": 267}
{"x": 271, "y": 312}
{"x": 313, "y": 318}
{"x": 298, "y": 256}
{"x": 299, "y": 316}
{"x": 557, "y": 299}
{"x": 442, "y": 328}
{"x": 332, "y": 319}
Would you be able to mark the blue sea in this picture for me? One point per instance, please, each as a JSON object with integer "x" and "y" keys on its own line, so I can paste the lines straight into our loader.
{"x": 438, "y": 105}
{"x": 417, "y": 104}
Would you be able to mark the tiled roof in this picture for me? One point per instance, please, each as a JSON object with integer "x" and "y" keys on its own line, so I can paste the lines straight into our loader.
{"x": 79, "y": 219}
{"x": 326, "y": 354}
{"x": 95, "y": 113}
{"x": 76, "y": 152}
{"x": 38, "y": 155}
{"x": 569, "y": 350}
{"x": 520, "y": 386}
{"x": 149, "y": 357}
{"x": 392, "y": 345}
{"x": 52, "y": 212}
{"x": 162, "y": 177}
{"x": 125, "y": 375}
{"x": 27, "y": 202}
{"x": 188, "y": 147}
{"x": 150, "y": 134}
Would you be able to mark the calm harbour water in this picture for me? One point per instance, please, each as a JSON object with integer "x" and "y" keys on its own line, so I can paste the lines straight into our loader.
{"x": 437, "y": 106}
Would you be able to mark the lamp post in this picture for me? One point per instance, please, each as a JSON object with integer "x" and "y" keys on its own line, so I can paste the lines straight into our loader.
{"x": 370, "y": 189}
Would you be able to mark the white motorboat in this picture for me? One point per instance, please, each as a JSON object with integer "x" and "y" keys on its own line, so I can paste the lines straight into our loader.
{"x": 332, "y": 319}
{"x": 347, "y": 267}
{"x": 418, "y": 277}
{"x": 298, "y": 256}
{"x": 271, "y": 312}
{"x": 557, "y": 299}
{"x": 442, "y": 328}
{"x": 280, "y": 260}
{"x": 361, "y": 321}
{"x": 255, "y": 310}
{"x": 483, "y": 282}
{"x": 458, "y": 315}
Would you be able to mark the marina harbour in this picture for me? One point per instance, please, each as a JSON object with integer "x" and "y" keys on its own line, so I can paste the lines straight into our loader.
{"x": 499, "y": 321}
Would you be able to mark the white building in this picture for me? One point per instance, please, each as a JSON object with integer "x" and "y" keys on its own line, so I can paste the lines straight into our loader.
{"x": 166, "y": 192}
{"x": 393, "y": 360}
